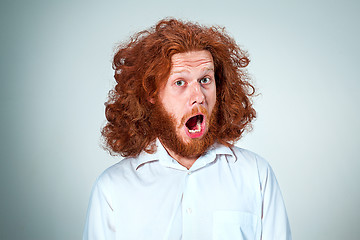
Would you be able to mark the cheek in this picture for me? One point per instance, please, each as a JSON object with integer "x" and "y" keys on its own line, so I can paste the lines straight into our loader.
{"x": 175, "y": 104}
{"x": 212, "y": 98}
{"x": 174, "y": 109}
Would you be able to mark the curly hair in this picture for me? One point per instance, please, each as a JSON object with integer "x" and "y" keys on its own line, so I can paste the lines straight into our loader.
{"x": 142, "y": 67}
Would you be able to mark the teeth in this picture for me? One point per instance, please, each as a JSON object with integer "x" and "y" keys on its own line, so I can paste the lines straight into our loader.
{"x": 197, "y": 129}
{"x": 194, "y": 131}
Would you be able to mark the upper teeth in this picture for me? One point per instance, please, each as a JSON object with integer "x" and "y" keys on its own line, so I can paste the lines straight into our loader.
{"x": 198, "y": 128}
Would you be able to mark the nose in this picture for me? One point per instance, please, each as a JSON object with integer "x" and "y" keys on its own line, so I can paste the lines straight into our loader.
{"x": 196, "y": 94}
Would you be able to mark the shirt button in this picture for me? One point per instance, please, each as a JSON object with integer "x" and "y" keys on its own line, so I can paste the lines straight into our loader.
{"x": 189, "y": 210}
{"x": 189, "y": 173}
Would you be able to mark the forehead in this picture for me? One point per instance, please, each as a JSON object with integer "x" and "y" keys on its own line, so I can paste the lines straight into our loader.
{"x": 189, "y": 60}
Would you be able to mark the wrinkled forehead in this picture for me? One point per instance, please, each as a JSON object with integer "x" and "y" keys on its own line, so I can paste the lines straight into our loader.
{"x": 193, "y": 59}
{"x": 184, "y": 62}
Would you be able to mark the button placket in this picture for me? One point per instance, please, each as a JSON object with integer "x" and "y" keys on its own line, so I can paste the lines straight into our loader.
{"x": 187, "y": 207}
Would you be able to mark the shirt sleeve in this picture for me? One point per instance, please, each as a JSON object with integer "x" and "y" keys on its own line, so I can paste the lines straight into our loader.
{"x": 275, "y": 223}
{"x": 100, "y": 216}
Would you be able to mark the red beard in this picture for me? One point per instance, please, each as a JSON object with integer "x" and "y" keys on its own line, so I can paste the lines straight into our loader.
{"x": 164, "y": 125}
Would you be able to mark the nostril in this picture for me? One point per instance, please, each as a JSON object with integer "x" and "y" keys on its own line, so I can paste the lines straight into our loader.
{"x": 199, "y": 98}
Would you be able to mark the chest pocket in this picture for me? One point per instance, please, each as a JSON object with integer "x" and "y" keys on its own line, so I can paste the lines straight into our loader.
{"x": 234, "y": 225}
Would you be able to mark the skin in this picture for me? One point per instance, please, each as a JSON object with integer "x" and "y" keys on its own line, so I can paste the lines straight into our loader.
{"x": 191, "y": 84}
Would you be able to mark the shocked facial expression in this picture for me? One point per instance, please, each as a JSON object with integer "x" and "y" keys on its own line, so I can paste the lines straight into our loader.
{"x": 189, "y": 95}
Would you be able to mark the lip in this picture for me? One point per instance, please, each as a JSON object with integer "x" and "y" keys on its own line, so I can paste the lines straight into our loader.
{"x": 202, "y": 128}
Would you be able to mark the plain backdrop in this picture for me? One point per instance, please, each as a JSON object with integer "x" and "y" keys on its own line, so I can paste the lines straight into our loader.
{"x": 56, "y": 73}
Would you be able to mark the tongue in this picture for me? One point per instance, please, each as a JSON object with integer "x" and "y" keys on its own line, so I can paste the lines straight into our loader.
{"x": 191, "y": 123}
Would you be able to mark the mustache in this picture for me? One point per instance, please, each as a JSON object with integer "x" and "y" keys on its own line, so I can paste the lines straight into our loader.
{"x": 195, "y": 111}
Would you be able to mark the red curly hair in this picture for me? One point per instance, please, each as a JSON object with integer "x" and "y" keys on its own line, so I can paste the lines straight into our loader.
{"x": 142, "y": 66}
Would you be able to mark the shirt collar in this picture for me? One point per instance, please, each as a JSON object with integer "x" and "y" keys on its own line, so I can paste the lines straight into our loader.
{"x": 215, "y": 150}
{"x": 220, "y": 149}
{"x": 160, "y": 155}
{"x": 165, "y": 159}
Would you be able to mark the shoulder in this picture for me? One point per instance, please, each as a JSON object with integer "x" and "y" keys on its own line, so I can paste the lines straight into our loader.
{"x": 125, "y": 172}
{"x": 123, "y": 166}
{"x": 247, "y": 159}
{"x": 246, "y": 156}
{"x": 117, "y": 173}
{"x": 264, "y": 170}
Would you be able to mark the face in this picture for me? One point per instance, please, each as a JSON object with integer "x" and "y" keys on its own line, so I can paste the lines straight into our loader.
{"x": 189, "y": 96}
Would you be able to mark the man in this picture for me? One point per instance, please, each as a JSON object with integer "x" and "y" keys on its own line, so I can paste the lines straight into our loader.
{"x": 182, "y": 99}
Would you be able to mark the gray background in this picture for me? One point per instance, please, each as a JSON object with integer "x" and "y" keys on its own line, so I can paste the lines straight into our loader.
{"x": 56, "y": 72}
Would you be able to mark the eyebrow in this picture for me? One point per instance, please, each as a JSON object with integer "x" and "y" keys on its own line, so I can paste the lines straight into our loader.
{"x": 206, "y": 69}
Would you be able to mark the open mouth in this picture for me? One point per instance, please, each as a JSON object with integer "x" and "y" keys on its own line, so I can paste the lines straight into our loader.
{"x": 194, "y": 123}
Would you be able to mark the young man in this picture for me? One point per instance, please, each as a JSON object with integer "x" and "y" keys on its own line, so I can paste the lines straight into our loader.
{"x": 182, "y": 99}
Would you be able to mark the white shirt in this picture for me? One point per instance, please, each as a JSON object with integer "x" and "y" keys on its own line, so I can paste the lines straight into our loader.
{"x": 228, "y": 193}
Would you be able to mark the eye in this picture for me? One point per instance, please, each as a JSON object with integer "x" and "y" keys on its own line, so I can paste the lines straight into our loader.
{"x": 205, "y": 80}
{"x": 180, "y": 83}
